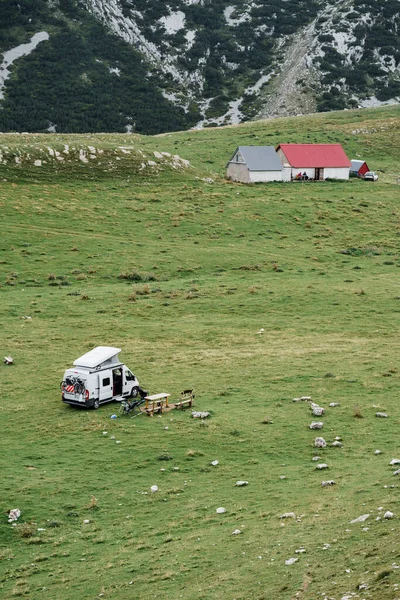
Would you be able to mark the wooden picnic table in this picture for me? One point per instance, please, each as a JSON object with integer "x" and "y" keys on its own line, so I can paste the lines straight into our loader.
{"x": 156, "y": 402}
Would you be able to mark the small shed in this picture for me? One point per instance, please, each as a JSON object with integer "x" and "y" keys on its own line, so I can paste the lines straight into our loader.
{"x": 255, "y": 164}
{"x": 316, "y": 161}
{"x": 358, "y": 168}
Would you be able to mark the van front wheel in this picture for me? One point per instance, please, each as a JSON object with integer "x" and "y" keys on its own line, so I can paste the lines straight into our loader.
{"x": 96, "y": 404}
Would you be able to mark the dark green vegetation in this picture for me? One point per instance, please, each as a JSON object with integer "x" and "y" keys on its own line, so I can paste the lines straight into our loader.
{"x": 316, "y": 265}
{"x": 88, "y": 78}
{"x": 82, "y": 79}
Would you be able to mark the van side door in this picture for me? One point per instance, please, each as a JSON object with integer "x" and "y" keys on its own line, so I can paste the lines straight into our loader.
{"x": 129, "y": 381}
{"x": 105, "y": 385}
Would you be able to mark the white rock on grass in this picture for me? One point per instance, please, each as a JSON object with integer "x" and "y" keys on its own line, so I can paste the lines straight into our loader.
{"x": 388, "y": 515}
{"x": 241, "y": 483}
{"x": 360, "y": 519}
{"x": 13, "y": 514}
{"x": 288, "y": 515}
{"x": 378, "y": 452}
{"x": 328, "y": 483}
{"x": 221, "y": 510}
{"x": 316, "y": 458}
{"x": 337, "y": 444}
{"x": 394, "y": 461}
{"x": 200, "y": 415}
{"x": 214, "y": 463}
{"x": 333, "y": 404}
{"x": 154, "y": 488}
{"x": 291, "y": 561}
{"x": 382, "y": 415}
{"x": 318, "y": 411}
{"x": 396, "y": 472}
{"x": 322, "y": 466}
{"x": 320, "y": 442}
{"x": 236, "y": 532}
{"x": 316, "y": 425}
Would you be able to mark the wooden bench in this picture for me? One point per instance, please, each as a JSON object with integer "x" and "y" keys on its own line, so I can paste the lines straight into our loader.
{"x": 186, "y": 399}
{"x": 156, "y": 403}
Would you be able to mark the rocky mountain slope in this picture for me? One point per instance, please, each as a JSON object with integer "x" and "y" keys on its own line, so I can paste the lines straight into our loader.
{"x": 149, "y": 66}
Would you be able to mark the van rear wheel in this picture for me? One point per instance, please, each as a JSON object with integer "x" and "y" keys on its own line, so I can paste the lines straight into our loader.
{"x": 96, "y": 404}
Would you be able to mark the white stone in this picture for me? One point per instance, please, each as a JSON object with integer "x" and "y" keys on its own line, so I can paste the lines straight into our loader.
{"x": 221, "y": 510}
{"x": 327, "y": 483}
{"x": 388, "y": 515}
{"x": 318, "y": 411}
{"x": 381, "y": 414}
{"x": 378, "y": 452}
{"x": 396, "y": 472}
{"x": 333, "y": 404}
{"x": 200, "y": 415}
{"x": 320, "y": 442}
{"x": 394, "y": 461}
{"x": 236, "y": 532}
{"x": 86, "y": 521}
{"x": 322, "y": 466}
{"x": 288, "y": 515}
{"x": 316, "y": 425}
{"x": 154, "y": 488}
{"x": 291, "y": 561}
{"x": 241, "y": 483}
{"x": 360, "y": 519}
{"x": 214, "y": 463}
{"x": 316, "y": 458}
{"x": 337, "y": 444}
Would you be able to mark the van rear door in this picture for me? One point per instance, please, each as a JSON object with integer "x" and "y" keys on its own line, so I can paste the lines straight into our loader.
{"x": 105, "y": 385}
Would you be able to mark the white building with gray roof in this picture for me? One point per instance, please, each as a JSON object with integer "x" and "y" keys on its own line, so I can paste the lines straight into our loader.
{"x": 255, "y": 164}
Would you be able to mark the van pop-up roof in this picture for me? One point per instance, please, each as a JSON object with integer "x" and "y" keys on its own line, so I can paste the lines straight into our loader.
{"x": 99, "y": 357}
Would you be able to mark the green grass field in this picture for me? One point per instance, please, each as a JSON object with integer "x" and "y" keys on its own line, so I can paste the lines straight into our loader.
{"x": 316, "y": 265}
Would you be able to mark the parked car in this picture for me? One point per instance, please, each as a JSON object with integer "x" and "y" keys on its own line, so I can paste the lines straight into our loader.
{"x": 371, "y": 176}
{"x": 97, "y": 377}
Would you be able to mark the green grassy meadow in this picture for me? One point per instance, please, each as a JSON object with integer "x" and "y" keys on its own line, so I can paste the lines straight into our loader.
{"x": 180, "y": 269}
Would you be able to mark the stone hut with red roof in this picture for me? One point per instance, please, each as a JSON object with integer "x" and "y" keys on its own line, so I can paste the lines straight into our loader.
{"x": 316, "y": 161}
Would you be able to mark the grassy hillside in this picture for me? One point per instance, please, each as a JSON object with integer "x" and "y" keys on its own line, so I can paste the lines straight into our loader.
{"x": 316, "y": 265}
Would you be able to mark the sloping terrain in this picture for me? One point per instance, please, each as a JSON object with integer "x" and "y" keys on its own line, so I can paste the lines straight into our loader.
{"x": 149, "y": 67}
{"x": 252, "y": 295}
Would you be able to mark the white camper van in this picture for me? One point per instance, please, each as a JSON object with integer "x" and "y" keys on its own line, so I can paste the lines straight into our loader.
{"x": 98, "y": 377}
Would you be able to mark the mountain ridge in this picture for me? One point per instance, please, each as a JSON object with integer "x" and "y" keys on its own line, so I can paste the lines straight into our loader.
{"x": 136, "y": 65}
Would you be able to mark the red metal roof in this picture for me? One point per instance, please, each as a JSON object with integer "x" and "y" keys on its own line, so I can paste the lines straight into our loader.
{"x": 315, "y": 155}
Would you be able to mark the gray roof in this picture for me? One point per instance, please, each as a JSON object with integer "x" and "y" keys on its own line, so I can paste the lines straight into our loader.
{"x": 260, "y": 158}
{"x": 356, "y": 164}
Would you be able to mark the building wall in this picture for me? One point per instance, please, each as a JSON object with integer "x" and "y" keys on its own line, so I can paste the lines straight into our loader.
{"x": 309, "y": 172}
{"x": 336, "y": 173}
{"x": 282, "y": 157}
{"x": 263, "y": 176}
{"x": 238, "y": 172}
